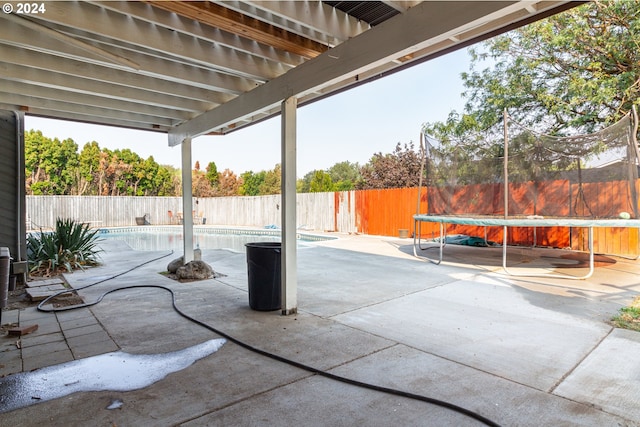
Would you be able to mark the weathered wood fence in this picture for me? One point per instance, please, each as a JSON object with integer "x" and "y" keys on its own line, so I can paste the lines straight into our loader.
{"x": 316, "y": 211}
{"x": 374, "y": 212}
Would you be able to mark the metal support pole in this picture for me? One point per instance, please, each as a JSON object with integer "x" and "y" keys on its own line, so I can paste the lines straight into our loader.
{"x": 187, "y": 201}
{"x": 506, "y": 166}
{"x": 289, "y": 273}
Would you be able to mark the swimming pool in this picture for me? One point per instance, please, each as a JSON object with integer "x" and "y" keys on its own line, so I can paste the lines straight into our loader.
{"x": 154, "y": 238}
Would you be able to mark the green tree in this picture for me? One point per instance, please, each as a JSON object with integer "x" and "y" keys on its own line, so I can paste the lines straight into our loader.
{"x": 320, "y": 182}
{"x": 50, "y": 164}
{"x": 168, "y": 181}
{"x": 147, "y": 174}
{"x": 132, "y": 172}
{"x": 55, "y": 167}
{"x": 116, "y": 171}
{"x": 251, "y": 183}
{"x": 345, "y": 175}
{"x": 142, "y": 177}
{"x": 303, "y": 185}
{"x": 212, "y": 174}
{"x": 89, "y": 169}
{"x": 261, "y": 183}
{"x": 574, "y": 71}
{"x": 272, "y": 181}
{"x": 342, "y": 176}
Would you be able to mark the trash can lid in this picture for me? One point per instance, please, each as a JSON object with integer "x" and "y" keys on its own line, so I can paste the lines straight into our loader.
{"x": 4, "y": 252}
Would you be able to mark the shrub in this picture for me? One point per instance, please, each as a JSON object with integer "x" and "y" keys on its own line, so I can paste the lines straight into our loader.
{"x": 69, "y": 247}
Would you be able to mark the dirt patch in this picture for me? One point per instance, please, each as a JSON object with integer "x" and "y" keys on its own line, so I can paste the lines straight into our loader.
{"x": 18, "y": 299}
{"x": 175, "y": 277}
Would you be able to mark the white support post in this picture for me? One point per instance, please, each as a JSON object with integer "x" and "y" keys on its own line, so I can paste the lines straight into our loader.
{"x": 187, "y": 201}
{"x": 289, "y": 272}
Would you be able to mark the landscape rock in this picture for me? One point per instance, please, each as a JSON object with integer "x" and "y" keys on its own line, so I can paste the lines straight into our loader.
{"x": 175, "y": 264}
{"x": 195, "y": 270}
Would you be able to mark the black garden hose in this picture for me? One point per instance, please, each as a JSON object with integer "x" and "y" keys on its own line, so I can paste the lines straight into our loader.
{"x": 311, "y": 369}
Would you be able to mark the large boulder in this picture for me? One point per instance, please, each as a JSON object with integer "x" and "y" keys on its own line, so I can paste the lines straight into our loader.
{"x": 195, "y": 270}
{"x": 175, "y": 264}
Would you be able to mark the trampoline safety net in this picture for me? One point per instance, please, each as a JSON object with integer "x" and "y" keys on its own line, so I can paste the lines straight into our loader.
{"x": 583, "y": 176}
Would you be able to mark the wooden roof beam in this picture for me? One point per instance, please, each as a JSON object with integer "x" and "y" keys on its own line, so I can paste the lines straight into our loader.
{"x": 234, "y": 22}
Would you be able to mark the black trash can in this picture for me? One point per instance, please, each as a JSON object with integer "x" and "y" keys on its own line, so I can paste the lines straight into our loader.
{"x": 263, "y": 267}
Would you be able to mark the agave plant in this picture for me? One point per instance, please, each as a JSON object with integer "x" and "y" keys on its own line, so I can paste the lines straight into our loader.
{"x": 69, "y": 247}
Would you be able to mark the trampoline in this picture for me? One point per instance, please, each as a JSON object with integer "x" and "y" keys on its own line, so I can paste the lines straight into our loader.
{"x": 589, "y": 224}
{"x": 521, "y": 178}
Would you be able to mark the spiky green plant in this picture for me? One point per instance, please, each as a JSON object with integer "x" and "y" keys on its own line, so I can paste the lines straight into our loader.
{"x": 69, "y": 247}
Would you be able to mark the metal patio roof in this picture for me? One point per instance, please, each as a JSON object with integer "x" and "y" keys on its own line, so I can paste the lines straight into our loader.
{"x": 193, "y": 68}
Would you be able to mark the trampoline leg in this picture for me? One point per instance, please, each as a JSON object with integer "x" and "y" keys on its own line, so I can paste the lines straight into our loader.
{"x": 504, "y": 249}
{"x": 416, "y": 244}
{"x": 557, "y": 276}
{"x": 416, "y": 234}
{"x": 591, "y": 261}
{"x": 443, "y": 236}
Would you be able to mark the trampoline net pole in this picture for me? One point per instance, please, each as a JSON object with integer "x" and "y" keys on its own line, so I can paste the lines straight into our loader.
{"x": 506, "y": 165}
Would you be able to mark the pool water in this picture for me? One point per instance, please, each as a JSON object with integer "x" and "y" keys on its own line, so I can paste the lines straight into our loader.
{"x": 167, "y": 238}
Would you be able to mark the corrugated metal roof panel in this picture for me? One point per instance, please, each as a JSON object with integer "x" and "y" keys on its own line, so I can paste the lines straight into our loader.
{"x": 371, "y": 12}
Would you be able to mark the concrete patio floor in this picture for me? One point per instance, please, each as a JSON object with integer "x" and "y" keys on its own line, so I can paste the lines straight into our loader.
{"x": 519, "y": 351}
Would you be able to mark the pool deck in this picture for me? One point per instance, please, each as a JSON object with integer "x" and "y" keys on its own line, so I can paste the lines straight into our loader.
{"x": 519, "y": 351}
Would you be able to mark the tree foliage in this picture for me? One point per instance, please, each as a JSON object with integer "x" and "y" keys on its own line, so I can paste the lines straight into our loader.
{"x": 261, "y": 183}
{"x": 55, "y": 167}
{"x": 251, "y": 183}
{"x": 201, "y": 186}
{"x": 272, "y": 181}
{"x": 394, "y": 170}
{"x": 50, "y": 164}
{"x": 314, "y": 181}
{"x": 345, "y": 175}
{"x": 320, "y": 182}
{"x": 342, "y": 176}
{"x": 570, "y": 73}
{"x": 228, "y": 184}
{"x": 212, "y": 174}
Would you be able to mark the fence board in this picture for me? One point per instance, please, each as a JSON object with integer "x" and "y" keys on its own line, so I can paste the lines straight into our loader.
{"x": 385, "y": 212}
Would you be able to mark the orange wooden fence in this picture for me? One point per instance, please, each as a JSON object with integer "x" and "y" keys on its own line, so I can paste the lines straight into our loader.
{"x": 386, "y": 212}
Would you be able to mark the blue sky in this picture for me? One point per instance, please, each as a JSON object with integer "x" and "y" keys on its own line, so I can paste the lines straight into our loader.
{"x": 350, "y": 126}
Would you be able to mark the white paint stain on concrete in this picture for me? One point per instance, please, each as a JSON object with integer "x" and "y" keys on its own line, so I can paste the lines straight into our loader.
{"x": 117, "y": 371}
